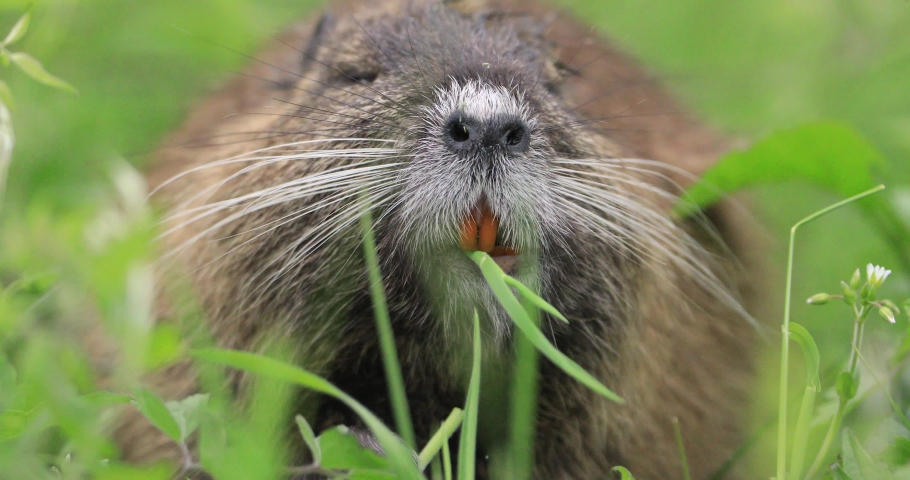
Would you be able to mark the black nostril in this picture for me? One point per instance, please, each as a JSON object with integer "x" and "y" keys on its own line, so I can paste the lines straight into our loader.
{"x": 459, "y": 132}
{"x": 505, "y": 132}
{"x": 514, "y": 136}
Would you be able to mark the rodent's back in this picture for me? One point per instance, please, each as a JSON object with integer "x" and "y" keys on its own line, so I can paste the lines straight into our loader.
{"x": 401, "y": 103}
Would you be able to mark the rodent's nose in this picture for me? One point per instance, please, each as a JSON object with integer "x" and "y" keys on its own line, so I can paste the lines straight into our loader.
{"x": 465, "y": 133}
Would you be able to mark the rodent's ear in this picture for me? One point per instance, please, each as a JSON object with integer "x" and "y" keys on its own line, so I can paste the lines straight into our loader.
{"x": 466, "y": 7}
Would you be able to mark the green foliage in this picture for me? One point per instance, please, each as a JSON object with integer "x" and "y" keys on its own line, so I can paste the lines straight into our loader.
{"x": 810, "y": 352}
{"x": 440, "y": 438}
{"x": 75, "y": 246}
{"x": 467, "y": 444}
{"x": 342, "y": 451}
{"x": 28, "y": 64}
{"x": 154, "y": 409}
{"x": 828, "y": 154}
{"x": 683, "y": 459}
{"x": 386, "y": 337}
{"x": 858, "y": 464}
{"x": 309, "y": 437}
{"x": 399, "y": 456}
{"x": 624, "y": 473}
{"x": 496, "y": 279}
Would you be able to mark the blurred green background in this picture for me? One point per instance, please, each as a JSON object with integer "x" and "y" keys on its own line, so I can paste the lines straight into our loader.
{"x": 749, "y": 67}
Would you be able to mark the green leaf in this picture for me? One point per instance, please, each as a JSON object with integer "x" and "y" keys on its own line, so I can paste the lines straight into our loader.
{"x": 306, "y": 431}
{"x": 810, "y": 352}
{"x": 847, "y": 385}
{"x": 400, "y": 457}
{"x": 494, "y": 276}
{"x": 34, "y": 69}
{"x": 801, "y": 432}
{"x": 441, "y": 436}
{"x": 828, "y": 154}
{"x": 857, "y": 462}
{"x": 467, "y": 446}
{"x": 900, "y": 451}
{"x": 624, "y": 473}
{"x": 6, "y": 96}
{"x": 156, "y": 412}
{"x": 342, "y": 451}
{"x": 165, "y": 346}
{"x": 18, "y": 30}
{"x": 187, "y": 413}
{"x": 534, "y": 298}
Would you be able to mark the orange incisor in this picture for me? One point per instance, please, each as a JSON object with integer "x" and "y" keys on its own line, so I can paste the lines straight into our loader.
{"x": 478, "y": 232}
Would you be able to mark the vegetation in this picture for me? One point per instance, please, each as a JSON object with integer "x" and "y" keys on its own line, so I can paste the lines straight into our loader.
{"x": 830, "y": 108}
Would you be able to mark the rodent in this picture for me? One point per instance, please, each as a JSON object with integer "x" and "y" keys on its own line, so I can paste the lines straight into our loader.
{"x": 469, "y": 124}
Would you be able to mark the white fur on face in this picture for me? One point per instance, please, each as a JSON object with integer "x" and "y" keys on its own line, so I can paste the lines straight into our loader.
{"x": 480, "y": 101}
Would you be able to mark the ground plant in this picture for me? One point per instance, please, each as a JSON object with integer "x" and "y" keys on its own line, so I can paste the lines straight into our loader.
{"x": 78, "y": 249}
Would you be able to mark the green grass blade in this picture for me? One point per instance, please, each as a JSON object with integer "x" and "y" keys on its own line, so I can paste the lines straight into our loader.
{"x": 494, "y": 276}
{"x": 436, "y": 468}
{"x": 399, "y": 456}
{"x": 467, "y": 447}
{"x": 624, "y": 473}
{"x": 801, "y": 434}
{"x": 446, "y": 461}
{"x": 441, "y": 436}
{"x": 683, "y": 460}
{"x": 523, "y": 403}
{"x": 810, "y": 351}
{"x": 309, "y": 438}
{"x": 785, "y": 328}
{"x": 397, "y": 393}
{"x": 534, "y": 298}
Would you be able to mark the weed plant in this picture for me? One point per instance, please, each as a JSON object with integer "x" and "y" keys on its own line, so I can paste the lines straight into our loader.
{"x": 87, "y": 272}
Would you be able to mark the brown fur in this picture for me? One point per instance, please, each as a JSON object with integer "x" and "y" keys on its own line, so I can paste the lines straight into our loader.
{"x": 672, "y": 350}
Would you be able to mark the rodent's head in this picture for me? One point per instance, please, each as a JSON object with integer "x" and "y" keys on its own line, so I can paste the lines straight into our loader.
{"x": 448, "y": 121}
{"x": 489, "y": 152}
{"x": 469, "y": 100}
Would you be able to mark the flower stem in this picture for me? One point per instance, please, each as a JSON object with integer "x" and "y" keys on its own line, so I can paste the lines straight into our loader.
{"x": 855, "y": 344}
{"x": 785, "y": 340}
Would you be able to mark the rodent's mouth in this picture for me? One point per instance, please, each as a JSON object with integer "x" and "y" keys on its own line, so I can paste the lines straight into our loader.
{"x": 480, "y": 231}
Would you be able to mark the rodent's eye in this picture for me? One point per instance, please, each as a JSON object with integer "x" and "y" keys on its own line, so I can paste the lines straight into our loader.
{"x": 357, "y": 76}
{"x": 562, "y": 72}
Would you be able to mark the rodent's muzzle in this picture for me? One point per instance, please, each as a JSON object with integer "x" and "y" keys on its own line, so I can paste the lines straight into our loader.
{"x": 506, "y": 133}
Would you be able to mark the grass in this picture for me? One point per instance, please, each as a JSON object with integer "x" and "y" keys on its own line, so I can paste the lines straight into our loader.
{"x": 751, "y": 68}
{"x": 785, "y": 338}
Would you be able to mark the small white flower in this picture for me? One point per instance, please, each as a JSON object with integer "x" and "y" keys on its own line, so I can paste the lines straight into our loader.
{"x": 876, "y": 275}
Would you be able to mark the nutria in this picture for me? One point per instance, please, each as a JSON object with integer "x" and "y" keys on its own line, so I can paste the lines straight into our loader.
{"x": 490, "y": 125}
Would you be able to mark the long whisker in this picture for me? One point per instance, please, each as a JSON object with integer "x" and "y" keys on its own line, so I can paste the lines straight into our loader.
{"x": 367, "y": 157}
{"x": 315, "y": 184}
{"x": 658, "y": 237}
{"x": 247, "y": 156}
